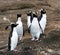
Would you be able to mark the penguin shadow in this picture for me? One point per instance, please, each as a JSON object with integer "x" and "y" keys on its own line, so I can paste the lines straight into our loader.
{"x": 24, "y": 51}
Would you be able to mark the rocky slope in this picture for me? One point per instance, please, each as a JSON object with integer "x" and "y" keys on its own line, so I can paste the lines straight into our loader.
{"x": 47, "y": 46}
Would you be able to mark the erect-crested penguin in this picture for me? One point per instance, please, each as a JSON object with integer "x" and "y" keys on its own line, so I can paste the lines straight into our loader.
{"x": 13, "y": 37}
{"x": 19, "y": 27}
{"x": 35, "y": 29}
{"x": 29, "y": 19}
{"x": 43, "y": 20}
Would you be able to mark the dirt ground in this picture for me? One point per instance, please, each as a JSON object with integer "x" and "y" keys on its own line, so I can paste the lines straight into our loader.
{"x": 46, "y": 46}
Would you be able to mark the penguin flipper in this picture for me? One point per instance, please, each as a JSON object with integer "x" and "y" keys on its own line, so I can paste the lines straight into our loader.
{"x": 39, "y": 18}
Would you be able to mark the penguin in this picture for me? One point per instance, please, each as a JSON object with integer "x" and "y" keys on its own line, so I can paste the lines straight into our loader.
{"x": 19, "y": 27}
{"x": 35, "y": 28}
{"x": 13, "y": 37}
{"x": 42, "y": 20}
{"x": 29, "y": 19}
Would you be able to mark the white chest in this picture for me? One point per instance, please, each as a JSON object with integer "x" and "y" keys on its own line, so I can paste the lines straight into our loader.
{"x": 35, "y": 22}
{"x": 35, "y": 26}
{"x": 43, "y": 22}
{"x": 14, "y": 40}
{"x": 28, "y": 21}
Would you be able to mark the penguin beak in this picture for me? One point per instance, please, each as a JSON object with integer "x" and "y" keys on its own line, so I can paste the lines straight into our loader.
{"x": 8, "y": 27}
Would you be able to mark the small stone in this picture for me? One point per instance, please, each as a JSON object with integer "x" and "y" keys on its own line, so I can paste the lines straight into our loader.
{"x": 42, "y": 52}
{"x": 50, "y": 50}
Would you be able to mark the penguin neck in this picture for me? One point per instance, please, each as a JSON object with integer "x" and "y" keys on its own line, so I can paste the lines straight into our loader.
{"x": 34, "y": 16}
{"x": 19, "y": 18}
{"x": 13, "y": 31}
{"x": 43, "y": 15}
{"x": 34, "y": 19}
{"x": 28, "y": 17}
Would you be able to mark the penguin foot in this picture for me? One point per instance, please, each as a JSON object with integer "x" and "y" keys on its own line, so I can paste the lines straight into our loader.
{"x": 37, "y": 39}
{"x": 32, "y": 39}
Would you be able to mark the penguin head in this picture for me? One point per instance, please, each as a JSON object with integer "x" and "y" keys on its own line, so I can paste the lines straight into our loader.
{"x": 43, "y": 11}
{"x": 29, "y": 13}
{"x": 13, "y": 25}
{"x": 18, "y": 15}
{"x": 34, "y": 14}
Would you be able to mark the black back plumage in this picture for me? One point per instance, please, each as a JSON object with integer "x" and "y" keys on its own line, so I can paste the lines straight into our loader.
{"x": 39, "y": 18}
{"x": 9, "y": 41}
{"x": 31, "y": 18}
{"x": 29, "y": 13}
